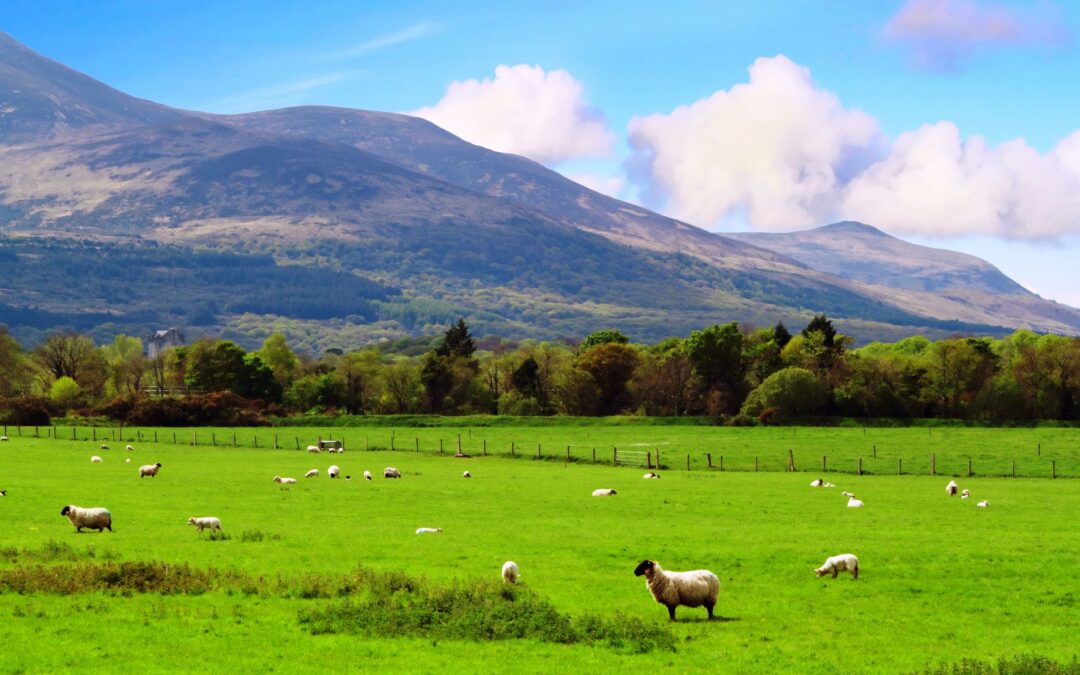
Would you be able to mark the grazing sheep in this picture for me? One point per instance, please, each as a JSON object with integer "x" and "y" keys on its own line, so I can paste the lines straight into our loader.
{"x": 817, "y": 483}
{"x": 312, "y": 473}
{"x": 367, "y": 475}
{"x": 205, "y": 522}
{"x": 333, "y": 471}
{"x": 952, "y": 488}
{"x": 130, "y": 448}
{"x": 651, "y": 475}
{"x": 510, "y": 572}
{"x": 92, "y": 519}
{"x": 466, "y": 475}
{"x": 844, "y": 562}
{"x": 853, "y": 503}
{"x": 391, "y": 472}
{"x": 95, "y": 459}
{"x": 3, "y": 439}
{"x": 149, "y": 470}
{"x": 3, "y": 493}
{"x": 428, "y": 530}
{"x": 983, "y": 504}
{"x": 284, "y": 480}
{"x": 127, "y": 461}
{"x": 313, "y": 448}
{"x": 690, "y": 589}
{"x": 604, "y": 492}
{"x": 847, "y": 494}
{"x": 966, "y": 494}
{"x": 104, "y": 446}
{"x": 348, "y": 477}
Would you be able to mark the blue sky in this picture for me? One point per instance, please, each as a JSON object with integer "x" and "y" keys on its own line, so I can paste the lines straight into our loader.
{"x": 856, "y": 83}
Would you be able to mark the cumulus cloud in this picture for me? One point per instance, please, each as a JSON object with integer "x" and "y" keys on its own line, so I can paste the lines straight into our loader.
{"x": 934, "y": 182}
{"x": 526, "y": 111}
{"x": 941, "y": 33}
{"x": 775, "y": 151}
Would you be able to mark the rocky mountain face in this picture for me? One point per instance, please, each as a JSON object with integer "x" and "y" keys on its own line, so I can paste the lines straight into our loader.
{"x": 433, "y": 226}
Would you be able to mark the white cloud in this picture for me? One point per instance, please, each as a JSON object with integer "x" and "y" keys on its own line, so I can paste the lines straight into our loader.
{"x": 934, "y": 182}
{"x": 416, "y": 31}
{"x": 775, "y": 151}
{"x": 941, "y": 33}
{"x": 526, "y": 111}
{"x": 611, "y": 186}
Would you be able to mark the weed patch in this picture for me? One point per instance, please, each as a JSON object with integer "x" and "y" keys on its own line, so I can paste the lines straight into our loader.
{"x": 1028, "y": 664}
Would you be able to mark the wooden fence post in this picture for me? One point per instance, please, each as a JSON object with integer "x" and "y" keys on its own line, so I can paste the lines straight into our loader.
{"x": 440, "y": 447}
{"x": 213, "y": 439}
{"x": 155, "y": 435}
{"x": 594, "y": 455}
{"x": 297, "y": 439}
{"x": 174, "y": 438}
{"x": 1053, "y": 468}
{"x": 824, "y": 464}
{"x": 875, "y": 451}
{"x": 234, "y": 440}
{"x": 755, "y": 464}
{"x": 391, "y": 441}
{"x": 708, "y": 457}
{"x": 485, "y": 447}
{"x": 459, "y": 444}
{"x": 1014, "y": 468}
{"x": 688, "y": 462}
{"x": 568, "y": 453}
{"x": 512, "y": 449}
{"x": 418, "y": 444}
{"x": 933, "y": 464}
{"x": 275, "y": 441}
{"x": 970, "y": 474}
{"x": 255, "y": 441}
{"x": 648, "y": 459}
{"x": 195, "y": 438}
{"x": 899, "y": 466}
{"x": 721, "y": 462}
{"x": 614, "y": 456}
{"x": 791, "y": 459}
{"x": 860, "y": 466}
{"x": 538, "y": 451}
{"x": 1040, "y": 450}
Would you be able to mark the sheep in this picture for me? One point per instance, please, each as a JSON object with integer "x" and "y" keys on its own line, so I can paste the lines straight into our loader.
{"x": 844, "y": 562}
{"x": 130, "y": 448}
{"x": 428, "y": 530}
{"x": 284, "y": 480}
{"x": 127, "y": 461}
{"x": 391, "y": 472}
{"x": 651, "y": 475}
{"x": 95, "y": 459}
{"x": 205, "y": 522}
{"x": 367, "y": 475}
{"x": 690, "y": 589}
{"x": 3, "y": 493}
{"x": 104, "y": 446}
{"x": 817, "y": 483}
{"x": 510, "y": 572}
{"x": 983, "y": 504}
{"x": 952, "y": 488}
{"x": 333, "y": 471}
{"x": 312, "y": 473}
{"x": 97, "y": 518}
{"x": 604, "y": 492}
{"x": 3, "y": 439}
{"x": 853, "y": 503}
{"x": 466, "y": 475}
{"x": 966, "y": 494}
{"x": 313, "y": 448}
{"x": 847, "y": 494}
{"x": 149, "y": 470}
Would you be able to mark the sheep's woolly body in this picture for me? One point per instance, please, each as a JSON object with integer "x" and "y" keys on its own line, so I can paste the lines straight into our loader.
{"x": 983, "y": 504}
{"x": 149, "y": 470}
{"x": 604, "y": 492}
{"x": 97, "y": 518}
{"x": 284, "y": 480}
{"x": 510, "y": 572}
{"x": 95, "y": 459}
{"x": 205, "y": 522}
{"x": 130, "y": 448}
{"x": 3, "y": 439}
{"x": 312, "y": 473}
{"x": 952, "y": 488}
{"x": 854, "y": 503}
{"x": 313, "y": 448}
{"x": 390, "y": 472}
{"x": 466, "y": 475}
{"x": 651, "y": 475}
{"x": 367, "y": 475}
{"x": 333, "y": 471}
{"x": 845, "y": 562}
{"x": 428, "y": 530}
{"x": 671, "y": 589}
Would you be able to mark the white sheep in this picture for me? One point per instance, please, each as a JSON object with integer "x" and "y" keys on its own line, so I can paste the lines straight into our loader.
{"x": 205, "y": 522}
{"x": 3, "y": 439}
{"x": 313, "y": 448}
{"x": 510, "y": 572}
{"x": 966, "y": 494}
{"x": 333, "y": 471}
{"x": 284, "y": 480}
{"x": 149, "y": 470}
{"x": 847, "y": 494}
{"x": 127, "y": 461}
{"x": 952, "y": 488}
{"x": 3, "y": 493}
{"x": 391, "y": 472}
{"x": 312, "y": 473}
{"x": 367, "y": 475}
{"x": 690, "y": 589}
{"x": 97, "y": 518}
{"x": 983, "y": 504}
{"x": 428, "y": 530}
{"x": 104, "y": 446}
{"x": 130, "y": 448}
{"x": 853, "y": 503}
{"x": 466, "y": 475}
{"x": 604, "y": 492}
{"x": 844, "y": 562}
{"x": 651, "y": 475}
{"x": 817, "y": 483}
{"x": 95, "y": 459}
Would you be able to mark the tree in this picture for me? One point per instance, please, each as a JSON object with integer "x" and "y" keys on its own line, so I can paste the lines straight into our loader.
{"x": 664, "y": 382}
{"x": 611, "y": 365}
{"x": 402, "y": 391}
{"x": 14, "y": 373}
{"x": 602, "y": 337}
{"x": 65, "y": 392}
{"x": 526, "y": 378}
{"x": 793, "y": 392}
{"x": 457, "y": 342}
{"x": 125, "y": 358}
{"x": 281, "y": 359}
{"x": 781, "y": 335}
{"x": 69, "y": 355}
{"x": 717, "y": 355}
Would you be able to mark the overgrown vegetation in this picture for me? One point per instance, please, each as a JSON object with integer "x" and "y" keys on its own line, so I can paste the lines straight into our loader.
{"x": 1028, "y": 664}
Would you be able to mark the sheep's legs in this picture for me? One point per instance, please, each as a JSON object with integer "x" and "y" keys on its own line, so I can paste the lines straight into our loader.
{"x": 835, "y": 572}
{"x": 671, "y": 612}
{"x": 709, "y": 607}
{"x": 855, "y": 573}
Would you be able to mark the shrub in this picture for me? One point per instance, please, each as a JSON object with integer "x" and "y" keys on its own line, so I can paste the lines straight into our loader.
{"x": 1027, "y": 664}
{"x": 25, "y": 411}
{"x": 794, "y": 392}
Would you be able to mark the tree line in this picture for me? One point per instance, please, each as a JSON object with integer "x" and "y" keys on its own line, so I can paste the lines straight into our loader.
{"x": 725, "y": 372}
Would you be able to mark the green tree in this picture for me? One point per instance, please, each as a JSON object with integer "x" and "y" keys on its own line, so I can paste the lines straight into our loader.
{"x": 127, "y": 363}
{"x": 281, "y": 359}
{"x": 65, "y": 392}
{"x": 792, "y": 392}
{"x": 717, "y": 355}
{"x": 14, "y": 371}
{"x": 457, "y": 342}
{"x": 602, "y": 337}
{"x": 611, "y": 365}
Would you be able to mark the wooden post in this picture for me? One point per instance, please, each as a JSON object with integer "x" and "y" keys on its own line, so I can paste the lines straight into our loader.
{"x": 860, "y": 466}
{"x": 1014, "y": 468}
{"x": 568, "y": 453}
{"x": 824, "y": 464}
{"x": 708, "y": 458}
{"x": 255, "y": 441}
{"x": 72, "y": 433}
{"x": 391, "y": 440}
{"x": 1040, "y": 450}
{"x": 688, "y": 462}
{"x": 195, "y": 438}
{"x": 36, "y": 434}
{"x": 512, "y": 454}
{"x": 614, "y": 456}
{"x": 297, "y": 439}
{"x": 275, "y": 441}
{"x": 875, "y": 451}
{"x": 970, "y": 474}
{"x": 538, "y": 451}
{"x": 648, "y": 459}
{"x": 899, "y": 466}
{"x": 755, "y": 464}
{"x": 791, "y": 459}
{"x": 657, "y": 458}
{"x": 721, "y": 462}
{"x": 933, "y": 464}
{"x": 417, "y": 444}
{"x": 174, "y": 438}
{"x": 485, "y": 447}
{"x": 213, "y": 439}
{"x": 1053, "y": 468}
{"x": 155, "y": 435}
{"x": 440, "y": 447}
{"x": 234, "y": 440}
{"x": 594, "y": 455}
{"x": 459, "y": 444}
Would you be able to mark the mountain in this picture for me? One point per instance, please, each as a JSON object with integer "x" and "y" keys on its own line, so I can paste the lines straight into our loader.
{"x": 425, "y": 225}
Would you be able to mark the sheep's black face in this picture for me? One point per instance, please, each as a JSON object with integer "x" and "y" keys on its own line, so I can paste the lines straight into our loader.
{"x": 643, "y": 567}
{"x": 64, "y": 511}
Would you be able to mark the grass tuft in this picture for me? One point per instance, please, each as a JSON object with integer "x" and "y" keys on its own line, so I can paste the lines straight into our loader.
{"x": 1026, "y": 664}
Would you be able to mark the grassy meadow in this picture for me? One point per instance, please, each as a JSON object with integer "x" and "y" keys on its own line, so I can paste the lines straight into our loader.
{"x": 941, "y": 579}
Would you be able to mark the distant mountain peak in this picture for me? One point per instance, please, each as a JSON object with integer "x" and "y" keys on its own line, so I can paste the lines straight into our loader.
{"x": 853, "y": 226}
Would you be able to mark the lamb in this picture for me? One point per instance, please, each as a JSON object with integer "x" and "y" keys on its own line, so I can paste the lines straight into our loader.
{"x": 428, "y": 530}
{"x": 651, "y": 475}
{"x": 95, "y": 459}
{"x": 97, "y": 518}
{"x": 844, "y": 562}
{"x": 690, "y": 589}
{"x": 952, "y": 488}
{"x": 333, "y": 471}
{"x": 149, "y": 470}
{"x": 983, "y": 504}
{"x": 284, "y": 480}
{"x": 313, "y": 448}
{"x": 853, "y": 503}
{"x": 205, "y": 522}
{"x": 466, "y": 475}
{"x": 391, "y": 472}
{"x": 367, "y": 475}
{"x": 312, "y": 473}
{"x": 130, "y": 448}
{"x": 510, "y": 572}
{"x": 604, "y": 492}
{"x": 966, "y": 494}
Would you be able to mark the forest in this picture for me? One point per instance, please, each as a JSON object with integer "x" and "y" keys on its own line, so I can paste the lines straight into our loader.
{"x": 722, "y": 372}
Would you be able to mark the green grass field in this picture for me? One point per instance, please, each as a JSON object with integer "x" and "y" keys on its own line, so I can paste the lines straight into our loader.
{"x": 941, "y": 579}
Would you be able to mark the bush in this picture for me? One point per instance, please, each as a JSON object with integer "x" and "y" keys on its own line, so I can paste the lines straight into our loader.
{"x": 793, "y": 392}
{"x": 1027, "y": 664}
{"x": 25, "y": 411}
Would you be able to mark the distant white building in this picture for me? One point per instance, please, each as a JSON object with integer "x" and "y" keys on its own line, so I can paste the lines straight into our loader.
{"x": 158, "y": 341}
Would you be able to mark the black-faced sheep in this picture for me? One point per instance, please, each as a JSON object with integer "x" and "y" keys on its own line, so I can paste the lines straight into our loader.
{"x": 651, "y": 475}
{"x": 312, "y": 473}
{"x": 466, "y": 475}
{"x": 92, "y": 519}
{"x": 671, "y": 589}
{"x": 952, "y": 488}
{"x": 284, "y": 480}
{"x": 845, "y": 562}
{"x": 604, "y": 492}
{"x": 333, "y": 471}
{"x": 367, "y": 475}
{"x": 391, "y": 472}
{"x": 149, "y": 470}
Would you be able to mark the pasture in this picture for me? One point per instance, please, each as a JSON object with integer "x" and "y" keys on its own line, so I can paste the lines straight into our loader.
{"x": 941, "y": 579}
